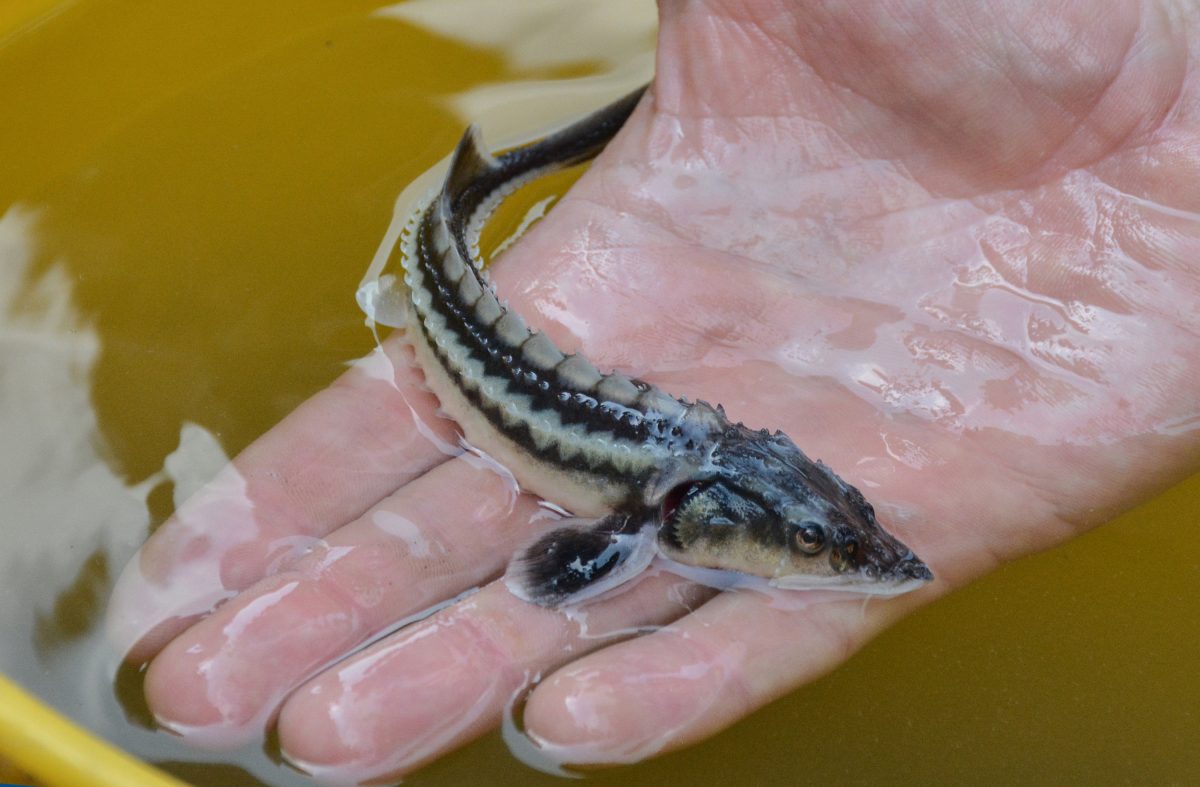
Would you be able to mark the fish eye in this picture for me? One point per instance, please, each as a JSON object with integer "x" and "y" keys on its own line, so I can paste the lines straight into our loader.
{"x": 810, "y": 538}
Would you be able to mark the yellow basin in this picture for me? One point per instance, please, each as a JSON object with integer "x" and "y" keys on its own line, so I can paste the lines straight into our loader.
{"x": 59, "y": 752}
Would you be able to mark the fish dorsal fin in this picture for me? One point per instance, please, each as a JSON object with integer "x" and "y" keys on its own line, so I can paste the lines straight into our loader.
{"x": 470, "y": 163}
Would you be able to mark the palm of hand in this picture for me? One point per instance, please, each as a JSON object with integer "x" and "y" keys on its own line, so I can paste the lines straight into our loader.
{"x": 956, "y": 266}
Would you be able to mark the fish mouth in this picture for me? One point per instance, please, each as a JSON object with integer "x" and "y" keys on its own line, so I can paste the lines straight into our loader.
{"x": 907, "y": 575}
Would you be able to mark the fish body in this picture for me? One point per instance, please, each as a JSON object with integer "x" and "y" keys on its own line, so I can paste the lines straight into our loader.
{"x": 642, "y": 472}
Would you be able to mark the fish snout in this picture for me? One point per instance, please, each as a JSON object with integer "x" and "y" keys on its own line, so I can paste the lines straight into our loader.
{"x": 912, "y": 567}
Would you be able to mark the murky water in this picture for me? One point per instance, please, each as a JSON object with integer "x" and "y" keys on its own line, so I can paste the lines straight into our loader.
{"x": 189, "y": 197}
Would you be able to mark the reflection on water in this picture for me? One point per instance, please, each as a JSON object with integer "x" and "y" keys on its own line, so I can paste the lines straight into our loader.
{"x": 78, "y": 607}
{"x": 190, "y": 198}
{"x": 63, "y": 506}
{"x": 596, "y": 45}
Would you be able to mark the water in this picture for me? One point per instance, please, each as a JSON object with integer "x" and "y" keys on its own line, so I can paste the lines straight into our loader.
{"x": 188, "y": 201}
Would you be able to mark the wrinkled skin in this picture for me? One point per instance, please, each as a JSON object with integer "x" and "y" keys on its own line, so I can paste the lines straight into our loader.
{"x": 951, "y": 249}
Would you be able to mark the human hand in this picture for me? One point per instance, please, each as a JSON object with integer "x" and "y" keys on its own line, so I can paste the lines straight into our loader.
{"x": 948, "y": 252}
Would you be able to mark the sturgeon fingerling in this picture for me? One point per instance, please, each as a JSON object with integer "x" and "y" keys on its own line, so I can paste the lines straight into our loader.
{"x": 642, "y": 472}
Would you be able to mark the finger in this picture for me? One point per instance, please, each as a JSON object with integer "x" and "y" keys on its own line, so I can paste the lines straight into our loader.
{"x": 220, "y": 681}
{"x": 443, "y": 682}
{"x": 327, "y": 462}
{"x": 699, "y": 675}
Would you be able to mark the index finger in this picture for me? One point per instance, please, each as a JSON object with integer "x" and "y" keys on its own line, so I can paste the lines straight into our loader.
{"x": 373, "y": 430}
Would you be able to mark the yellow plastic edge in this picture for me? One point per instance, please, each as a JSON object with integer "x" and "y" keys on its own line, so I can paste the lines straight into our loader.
{"x": 58, "y": 751}
{"x": 34, "y": 737}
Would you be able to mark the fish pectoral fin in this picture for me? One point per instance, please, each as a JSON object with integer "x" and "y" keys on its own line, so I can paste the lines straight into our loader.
{"x": 580, "y": 559}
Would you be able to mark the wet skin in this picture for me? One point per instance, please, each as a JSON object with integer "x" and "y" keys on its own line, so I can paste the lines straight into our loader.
{"x": 952, "y": 254}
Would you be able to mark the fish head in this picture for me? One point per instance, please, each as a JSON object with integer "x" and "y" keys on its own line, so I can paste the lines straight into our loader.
{"x": 763, "y": 508}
